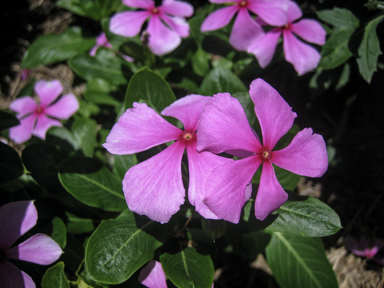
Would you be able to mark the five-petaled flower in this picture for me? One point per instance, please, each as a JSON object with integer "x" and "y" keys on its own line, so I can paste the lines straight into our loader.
{"x": 166, "y": 23}
{"x": 16, "y": 218}
{"x": 303, "y": 57}
{"x": 154, "y": 187}
{"x": 365, "y": 248}
{"x": 246, "y": 30}
{"x": 224, "y": 127}
{"x": 33, "y": 116}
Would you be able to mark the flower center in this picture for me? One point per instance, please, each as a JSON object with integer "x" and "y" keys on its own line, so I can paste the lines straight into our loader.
{"x": 266, "y": 154}
{"x": 155, "y": 10}
{"x": 39, "y": 110}
{"x": 187, "y": 136}
{"x": 243, "y": 3}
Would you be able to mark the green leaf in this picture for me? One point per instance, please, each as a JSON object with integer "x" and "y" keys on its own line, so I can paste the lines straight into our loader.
{"x": 92, "y": 183}
{"x": 55, "y": 277}
{"x": 59, "y": 233}
{"x": 213, "y": 228}
{"x": 188, "y": 268}
{"x": 146, "y": 86}
{"x": 200, "y": 62}
{"x": 369, "y": 50}
{"x": 11, "y": 167}
{"x": 120, "y": 246}
{"x": 309, "y": 217}
{"x": 98, "y": 91}
{"x": 61, "y": 138}
{"x": 7, "y": 120}
{"x": 105, "y": 65}
{"x": 84, "y": 132}
{"x": 122, "y": 163}
{"x": 287, "y": 179}
{"x": 249, "y": 245}
{"x": 248, "y": 106}
{"x": 54, "y": 48}
{"x": 299, "y": 262}
{"x": 77, "y": 225}
{"x": 221, "y": 80}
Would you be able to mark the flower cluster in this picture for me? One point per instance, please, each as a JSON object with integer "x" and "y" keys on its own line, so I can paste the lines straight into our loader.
{"x": 218, "y": 186}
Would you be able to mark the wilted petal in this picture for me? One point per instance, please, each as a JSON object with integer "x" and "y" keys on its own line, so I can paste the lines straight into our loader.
{"x": 294, "y": 11}
{"x": 219, "y": 18}
{"x": 274, "y": 114}
{"x": 38, "y": 249}
{"x": 43, "y": 124}
{"x": 224, "y": 126}
{"x": 16, "y": 218}
{"x": 23, "y": 106}
{"x": 139, "y": 129}
{"x": 176, "y": 8}
{"x": 143, "y": 4}
{"x": 272, "y": 12}
{"x": 13, "y": 277}
{"x": 200, "y": 166}
{"x": 310, "y": 30}
{"x": 64, "y": 108}
{"x": 270, "y": 195}
{"x": 154, "y": 188}
{"x": 245, "y": 31}
{"x": 162, "y": 40}
{"x": 128, "y": 23}
{"x": 187, "y": 110}
{"x": 306, "y": 155}
{"x": 23, "y": 132}
{"x": 178, "y": 24}
{"x": 48, "y": 91}
{"x": 153, "y": 276}
{"x": 264, "y": 47}
{"x": 227, "y": 188}
{"x": 302, "y": 56}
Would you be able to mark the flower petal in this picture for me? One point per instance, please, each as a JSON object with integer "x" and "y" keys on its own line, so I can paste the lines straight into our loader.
{"x": 43, "y": 124}
{"x": 200, "y": 166}
{"x": 223, "y": 1}
{"x": 229, "y": 187}
{"x": 187, "y": 110}
{"x": 264, "y": 47}
{"x": 48, "y": 91}
{"x": 128, "y": 23}
{"x": 274, "y": 114}
{"x": 38, "y": 249}
{"x": 143, "y": 4}
{"x": 302, "y": 56}
{"x": 306, "y": 155}
{"x": 245, "y": 31}
{"x": 178, "y": 24}
{"x": 310, "y": 30}
{"x": 64, "y": 108}
{"x": 23, "y": 132}
{"x": 16, "y": 218}
{"x": 176, "y": 8}
{"x": 13, "y": 277}
{"x": 162, "y": 40}
{"x": 219, "y": 18}
{"x": 154, "y": 188}
{"x": 139, "y": 129}
{"x": 23, "y": 106}
{"x": 293, "y": 11}
{"x": 270, "y": 195}
{"x": 153, "y": 276}
{"x": 224, "y": 126}
{"x": 272, "y": 12}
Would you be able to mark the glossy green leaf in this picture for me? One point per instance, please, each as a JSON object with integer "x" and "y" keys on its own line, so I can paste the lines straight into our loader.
{"x": 120, "y": 246}
{"x": 122, "y": 163}
{"x": 287, "y": 180}
{"x": 249, "y": 245}
{"x": 11, "y": 167}
{"x": 77, "y": 225}
{"x": 188, "y": 268}
{"x": 200, "y": 62}
{"x": 299, "y": 262}
{"x": 7, "y": 120}
{"x": 92, "y": 183}
{"x": 369, "y": 50}
{"x": 98, "y": 91}
{"x": 84, "y": 132}
{"x": 59, "y": 233}
{"x": 146, "y": 86}
{"x": 55, "y": 277}
{"x": 221, "y": 80}
{"x": 62, "y": 139}
{"x": 310, "y": 217}
{"x": 54, "y": 48}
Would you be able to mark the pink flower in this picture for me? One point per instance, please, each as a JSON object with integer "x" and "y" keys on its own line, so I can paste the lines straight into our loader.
{"x": 154, "y": 187}
{"x": 102, "y": 41}
{"x": 162, "y": 38}
{"x": 365, "y": 248}
{"x": 303, "y": 57}
{"x": 245, "y": 30}
{"x": 224, "y": 127}
{"x": 33, "y": 116}
{"x": 16, "y": 218}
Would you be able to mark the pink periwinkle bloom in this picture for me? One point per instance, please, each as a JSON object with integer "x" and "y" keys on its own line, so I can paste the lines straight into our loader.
{"x": 102, "y": 41}
{"x": 35, "y": 118}
{"x": 16, "y": 218}
{"x": 301, "y": 55}
{"x": 166, "y": 25}
{"x": 245, "y": 29}
{"x": 365, "y": 248}
{"x": 224, "y": 127}
{"x": 154, "y": 187}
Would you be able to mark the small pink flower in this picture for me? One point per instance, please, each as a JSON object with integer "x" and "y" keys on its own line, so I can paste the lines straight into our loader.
{"x": 162, "y": 38}
{"x": 224, "y": 127}
{"x": 16, "y": 218}
{"x": 303, "y": 57}
{"x": 245, "y": 30}
{"x": 102, "y": 41}
{"x": 365, "y": 248}
{"x": 33, "y": 116}
{"x": 154, "y": 187}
